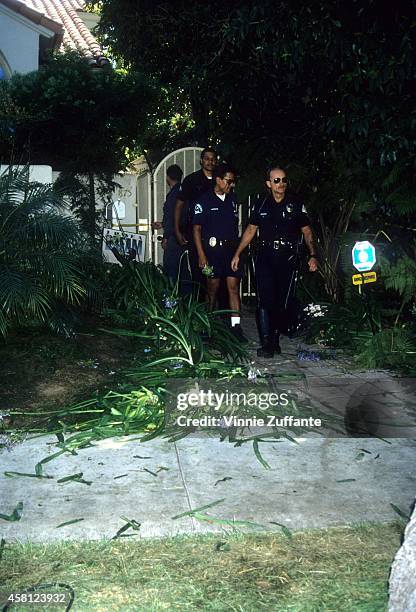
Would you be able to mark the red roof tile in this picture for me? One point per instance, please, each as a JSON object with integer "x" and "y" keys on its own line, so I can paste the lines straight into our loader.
{"x": 76, "y": 34}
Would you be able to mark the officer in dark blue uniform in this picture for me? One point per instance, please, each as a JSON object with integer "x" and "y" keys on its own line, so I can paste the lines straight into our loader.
{"x": 174, "y": 263}
{"x": 193, "y": 186}
{"x": 281, "y": 220}
{"x": 215, "y": 225}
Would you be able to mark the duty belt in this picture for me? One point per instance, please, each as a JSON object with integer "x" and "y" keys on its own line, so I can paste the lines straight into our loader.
{"x": 277, "y": 244}
{"x": 216, "y": 242}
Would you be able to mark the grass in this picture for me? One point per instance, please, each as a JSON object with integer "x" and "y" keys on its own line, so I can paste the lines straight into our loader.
{"x": 342, "y": 569}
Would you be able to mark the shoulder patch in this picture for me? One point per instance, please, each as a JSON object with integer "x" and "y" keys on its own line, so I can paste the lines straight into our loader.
{"x": 198, "y": 209}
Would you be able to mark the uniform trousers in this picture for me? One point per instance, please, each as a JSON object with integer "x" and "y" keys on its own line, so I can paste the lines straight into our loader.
{"x": 175, "y": 263}
{"x": 275, "y": 280}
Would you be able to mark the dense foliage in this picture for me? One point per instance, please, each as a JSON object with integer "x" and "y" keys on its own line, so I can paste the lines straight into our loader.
{"x": 72, "y": 117}
{"x": 178, "y": 329}
{"x": 83, "y": 122}
{"x": 41, "y": 277}
{"x": 300, "y": 81}
{"x": 323, "y": 87}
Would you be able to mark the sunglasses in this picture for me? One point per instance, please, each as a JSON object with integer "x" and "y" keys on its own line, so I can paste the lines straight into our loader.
{"x": 277, "y": 180}
{"x": 229, "y": 181}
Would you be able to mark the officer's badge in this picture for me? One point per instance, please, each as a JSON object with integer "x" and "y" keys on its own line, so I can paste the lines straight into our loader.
{"x": 198, "y": 209}
{"x": 289, "y": 208}
{"x": 212, "y": 241}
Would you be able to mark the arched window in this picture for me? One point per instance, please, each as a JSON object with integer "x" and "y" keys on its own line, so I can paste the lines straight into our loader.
{"x": 5, "y": 72}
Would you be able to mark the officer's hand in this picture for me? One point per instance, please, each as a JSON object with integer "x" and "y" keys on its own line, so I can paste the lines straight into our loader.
{"x": 164, "y": 244}
{"x": 202, "y": 261}
{"x": 313, "y": 264}
{"x": 157, "y": 225}
{"x": 181, "y": 240}
{"x": 234, "y": 263}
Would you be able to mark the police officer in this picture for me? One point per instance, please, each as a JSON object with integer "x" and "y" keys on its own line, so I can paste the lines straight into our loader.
{"x": 281, "y": 220}
{"x": 215, "y": 231}
{"x": 193, "y": 185}
{"x": 172, "y": 252}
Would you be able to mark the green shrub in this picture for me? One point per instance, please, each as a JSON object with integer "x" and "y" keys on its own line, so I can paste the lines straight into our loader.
{"x": 40, "y": 277}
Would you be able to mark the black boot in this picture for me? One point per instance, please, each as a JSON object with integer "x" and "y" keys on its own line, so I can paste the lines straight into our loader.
{"x": 276, "y": 345}
{"x": 265, "y": 333}
{"x": 275, "y": 333}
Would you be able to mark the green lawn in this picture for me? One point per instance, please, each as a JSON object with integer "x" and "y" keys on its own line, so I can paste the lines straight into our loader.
{"x": 341, "y": 569}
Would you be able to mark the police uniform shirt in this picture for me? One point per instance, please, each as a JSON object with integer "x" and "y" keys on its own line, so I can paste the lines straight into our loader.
{"x": 192, "y": 187}
{"x": 168, "y": 211}
{"x": 218, "y": 218}
{"x": 279, "y": 219}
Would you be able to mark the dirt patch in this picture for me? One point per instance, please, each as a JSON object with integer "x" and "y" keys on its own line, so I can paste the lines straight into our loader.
{"x": 43, "y": 372}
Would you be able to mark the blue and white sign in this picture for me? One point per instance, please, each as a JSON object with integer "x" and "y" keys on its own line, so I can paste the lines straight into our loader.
{"x": 363, "y": 256}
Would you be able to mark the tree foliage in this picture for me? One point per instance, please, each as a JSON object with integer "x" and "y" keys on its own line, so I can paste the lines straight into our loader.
{"x": 72, "y": 117}
{"x": 273, "y": 79}
{"x": 84, "y": 122}
{"x": 324, "y": 87}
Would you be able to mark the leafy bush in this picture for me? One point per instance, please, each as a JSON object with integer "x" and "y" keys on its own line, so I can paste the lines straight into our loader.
{"x": 40, "y": 278}
{"x": 348, "y": 327}
{"x": 179, "y": 328}
{"x": 391, "y": 348}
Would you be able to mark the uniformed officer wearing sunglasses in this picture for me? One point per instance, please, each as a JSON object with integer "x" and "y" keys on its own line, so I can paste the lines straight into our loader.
{"x": 281, "y": 221}
{"x": 215, "y": 225}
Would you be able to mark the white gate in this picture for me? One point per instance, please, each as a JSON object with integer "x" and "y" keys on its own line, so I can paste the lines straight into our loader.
{"x": 188, "y": 160}
{"x": 150, "y": 194}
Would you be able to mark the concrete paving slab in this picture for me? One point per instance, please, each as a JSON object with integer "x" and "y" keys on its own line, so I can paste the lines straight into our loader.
{"x": 120, "y": 486}
{"x": 317, "y": 483}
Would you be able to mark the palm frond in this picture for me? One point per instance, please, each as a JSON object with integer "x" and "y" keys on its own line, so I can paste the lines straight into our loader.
{"x": 20, "y": 297}
{"x": 40, "y": 251}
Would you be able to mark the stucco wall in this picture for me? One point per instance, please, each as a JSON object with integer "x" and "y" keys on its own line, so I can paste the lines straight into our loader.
{"x": 41, "y": 174}
{"x": 19, "y": 43}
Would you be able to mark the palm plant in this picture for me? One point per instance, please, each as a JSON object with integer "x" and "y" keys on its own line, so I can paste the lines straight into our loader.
{"x": 39, "y": 247}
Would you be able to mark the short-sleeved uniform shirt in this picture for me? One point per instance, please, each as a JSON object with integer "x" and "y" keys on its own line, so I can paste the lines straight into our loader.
{"x": 217, "y": 217}
{"x": 282, "y": 220}
{"x": 193, "y": 186}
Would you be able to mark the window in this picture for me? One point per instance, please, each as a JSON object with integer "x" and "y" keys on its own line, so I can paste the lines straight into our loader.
{"x": 5, "y": 72}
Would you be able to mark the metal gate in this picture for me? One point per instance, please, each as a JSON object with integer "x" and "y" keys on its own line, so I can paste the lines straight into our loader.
{"x": 188, "y": 159}
{"x": 248, "y": 285}
{"x": 148, "y": 193}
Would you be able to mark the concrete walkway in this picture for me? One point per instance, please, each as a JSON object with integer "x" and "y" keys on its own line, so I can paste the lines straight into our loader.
{"x": 319, "y": 482}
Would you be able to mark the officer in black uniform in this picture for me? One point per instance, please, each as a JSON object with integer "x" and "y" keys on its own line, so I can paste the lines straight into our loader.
{"x": 215, "y": 224}
{"x": 193, "y": 186}
{"x": 281, "y": 220}
{"x": 172, "y": 252}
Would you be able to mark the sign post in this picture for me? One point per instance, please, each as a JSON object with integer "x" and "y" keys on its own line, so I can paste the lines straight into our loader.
{"x": 363, "y": 256}
{"x": 363, "y": 259}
